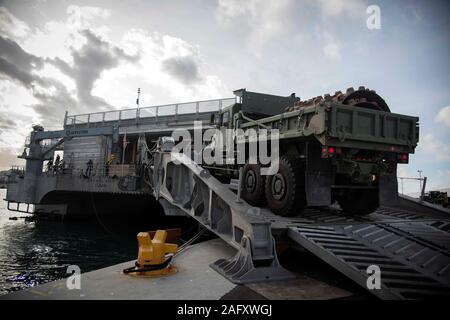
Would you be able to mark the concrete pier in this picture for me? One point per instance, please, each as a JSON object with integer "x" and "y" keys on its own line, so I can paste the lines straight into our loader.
{"x": 195, "y": 280}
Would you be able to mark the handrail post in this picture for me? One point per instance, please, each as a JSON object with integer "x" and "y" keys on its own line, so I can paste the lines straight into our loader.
{"x": 239, "y": 190}
{"x": 65, "y": 118}
{"x": 422, "y": 192}
{"x": 176, "y": 112}
{"x": 197, "y": 109}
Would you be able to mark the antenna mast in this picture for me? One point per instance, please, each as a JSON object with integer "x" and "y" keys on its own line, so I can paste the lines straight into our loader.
{"x": 138, "y": 96}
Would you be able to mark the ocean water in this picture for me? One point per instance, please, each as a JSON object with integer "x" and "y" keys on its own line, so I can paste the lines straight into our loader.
{"x": 36, "y": 252}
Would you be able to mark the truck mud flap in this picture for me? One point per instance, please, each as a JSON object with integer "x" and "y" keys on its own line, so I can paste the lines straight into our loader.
{"x": 388, "y": 188}
{"x": 318, "y": 177}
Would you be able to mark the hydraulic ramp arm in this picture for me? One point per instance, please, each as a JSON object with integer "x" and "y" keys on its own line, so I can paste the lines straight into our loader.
{"x": 192, "y": 189}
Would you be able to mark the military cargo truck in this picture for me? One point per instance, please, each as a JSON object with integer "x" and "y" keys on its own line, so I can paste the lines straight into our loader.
{"x": 340, "y": 148}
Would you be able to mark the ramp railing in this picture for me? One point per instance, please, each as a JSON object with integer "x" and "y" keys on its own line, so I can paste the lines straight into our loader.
{"x": 195, "y": 107}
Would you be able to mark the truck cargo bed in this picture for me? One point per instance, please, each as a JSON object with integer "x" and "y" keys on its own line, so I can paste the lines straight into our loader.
{"x": 347, "y": 126}
{"x": 352, "y": 125}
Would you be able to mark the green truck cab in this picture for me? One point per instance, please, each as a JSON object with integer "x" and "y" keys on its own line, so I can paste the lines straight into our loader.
{"x": 254, "y": 106}
{"x": 342, "y": 148}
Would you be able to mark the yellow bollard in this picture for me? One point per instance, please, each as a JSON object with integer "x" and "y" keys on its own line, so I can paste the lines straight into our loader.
{"x": 152, "y": 253}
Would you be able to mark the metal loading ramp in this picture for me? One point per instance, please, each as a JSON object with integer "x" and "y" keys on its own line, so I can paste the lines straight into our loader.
{"x": 410, "y": 248}
{"x": 413, "y": 256}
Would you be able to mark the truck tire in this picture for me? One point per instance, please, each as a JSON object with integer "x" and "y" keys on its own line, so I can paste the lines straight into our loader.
{"x": 285, "y": 190}
{"x": 360, "y": 202}
{"x": 253, "y": 185}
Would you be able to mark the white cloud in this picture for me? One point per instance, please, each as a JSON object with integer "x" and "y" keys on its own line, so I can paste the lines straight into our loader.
{"x": 15, "y": 99}
{"x": 342, "y": 9}
{"x": 335, "y": 8}
{"x": 168, "y": 69}
{"x": 251, "y": 9}
{"x": 14, "y": 103}
{"x": 54, "y": 40}
{"x": 331, "y": 49}
{"x": 443, "y": 116}
{"x": 150, "y": 73}
{"x": 11, "y": 26}
{"x": 231, "y": 8}
{"x": 58, "y": 38}
{"x": 51, "y": 71}
{"x": 82, "y": 17}
{"x": 434, "y": 147}
{"x": 266, "y": 19}
{"x": 273, "y": 10}
{"x": 8, "y": 158}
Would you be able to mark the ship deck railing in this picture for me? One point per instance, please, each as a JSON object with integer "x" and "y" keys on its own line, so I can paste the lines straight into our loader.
{"x": 98, "y": 170}
{"x": 170, "y": 110}
{"x": 20, "y": 170}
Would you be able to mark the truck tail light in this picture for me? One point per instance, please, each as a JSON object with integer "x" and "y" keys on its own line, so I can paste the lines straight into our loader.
{"x": 329, "y": 152}
{"x": 402, "y": 157}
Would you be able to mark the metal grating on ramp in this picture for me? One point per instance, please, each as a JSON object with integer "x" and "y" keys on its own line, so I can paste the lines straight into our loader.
{"x": 413, "y": 256}
{"x": 399, "y": 214}
{"x": 325, "y": 216}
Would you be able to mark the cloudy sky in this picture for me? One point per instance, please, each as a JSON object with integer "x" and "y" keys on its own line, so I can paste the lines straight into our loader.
{"x": 85, "y": 56}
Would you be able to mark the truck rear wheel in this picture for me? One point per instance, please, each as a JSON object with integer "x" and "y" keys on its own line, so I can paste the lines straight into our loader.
{"x": 253, "y": 185}
{"x": 285, "y": 190}
{"x": 360, "y": 202}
